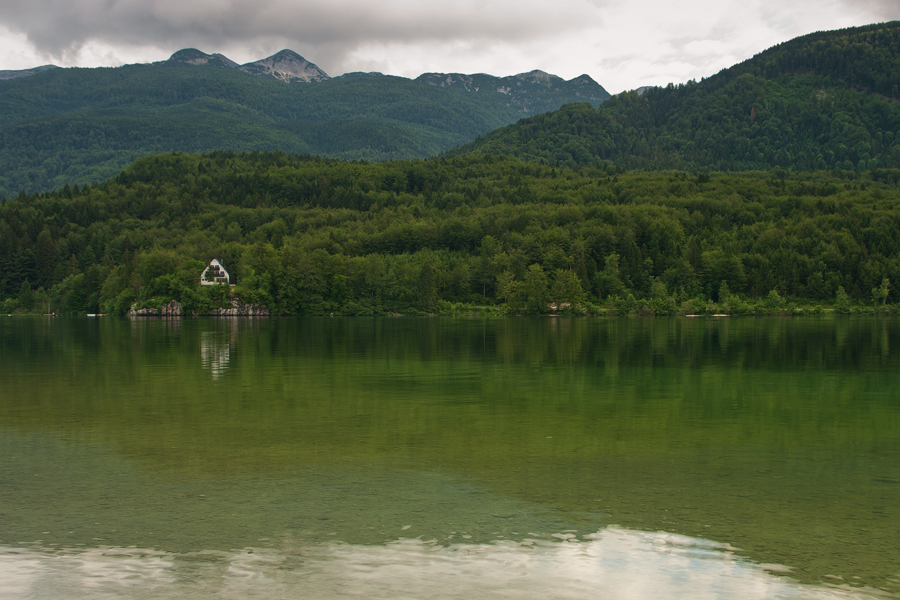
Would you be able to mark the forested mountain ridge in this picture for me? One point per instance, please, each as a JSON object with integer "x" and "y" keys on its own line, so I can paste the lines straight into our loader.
{"x": 307, "y": 235}
{"x": 74, "y": 126}
{"x": 825, "y": 100}
{"x": 534, "y": 92}
{"x": 15, "y": 74}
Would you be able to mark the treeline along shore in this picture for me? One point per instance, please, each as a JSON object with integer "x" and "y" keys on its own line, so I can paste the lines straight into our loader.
{"x": 312, "y": 236}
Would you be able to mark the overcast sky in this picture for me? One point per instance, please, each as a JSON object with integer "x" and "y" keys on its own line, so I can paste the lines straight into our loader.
{"x": 621, "y": 44}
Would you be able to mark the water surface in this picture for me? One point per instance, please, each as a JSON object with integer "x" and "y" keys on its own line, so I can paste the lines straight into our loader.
{"x": 405, "y": 457}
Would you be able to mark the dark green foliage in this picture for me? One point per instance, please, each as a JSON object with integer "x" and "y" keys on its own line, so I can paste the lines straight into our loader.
{"x": 308, "y": 235}
{"x": 822, "y": 101}
{"x": 85, "y": 125}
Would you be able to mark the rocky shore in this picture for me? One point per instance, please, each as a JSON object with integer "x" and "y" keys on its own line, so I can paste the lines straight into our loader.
{"x": 174, "y": 309}
{"x": 239, "y": 309}
{"x": 170, "y": 309}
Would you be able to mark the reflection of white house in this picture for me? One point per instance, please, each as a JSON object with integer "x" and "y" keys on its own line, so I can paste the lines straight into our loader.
{"x": 215, "y": 353}
{"x": 214, "y": 273}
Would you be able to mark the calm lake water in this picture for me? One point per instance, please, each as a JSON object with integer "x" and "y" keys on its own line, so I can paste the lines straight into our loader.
{"x": 450, "y": 458}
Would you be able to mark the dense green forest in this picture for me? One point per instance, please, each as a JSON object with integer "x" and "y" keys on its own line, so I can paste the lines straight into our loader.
{"x": 307, "y": 235}
{"x": 80, "y": 126}
{"x": 825, "y": 100}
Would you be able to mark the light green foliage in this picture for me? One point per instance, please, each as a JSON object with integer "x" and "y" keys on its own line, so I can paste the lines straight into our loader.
{"x": 775, "y": 301}
{"x": 535, "y": 290}
{"x": 566, "y": 288}
{"x": 609, "y": 281}
{"x": 724, "y": 292}
{"x": 881, "y": 292}
{"x": 842, "y": 301}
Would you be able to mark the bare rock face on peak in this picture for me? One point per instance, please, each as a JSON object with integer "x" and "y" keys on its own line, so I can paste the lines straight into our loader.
{"x": 533, "y": 92}
{"x": 358, "y": 74}
{"x": 287, "y": 66}
{"x": 539, "y": 76}
{"x": 192, "y": 56}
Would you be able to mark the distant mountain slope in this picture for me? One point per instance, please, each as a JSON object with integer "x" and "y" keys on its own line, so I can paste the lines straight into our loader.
{"x": 82, "y": 125}
{"x": 4, "y": 75}
{"x": 825, "y": 100}
{"x": 88, "y": 125}
{"x": 533, "y": 92}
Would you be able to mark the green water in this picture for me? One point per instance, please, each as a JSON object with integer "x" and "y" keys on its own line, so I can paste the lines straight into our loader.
{"x": 759, "y": 441}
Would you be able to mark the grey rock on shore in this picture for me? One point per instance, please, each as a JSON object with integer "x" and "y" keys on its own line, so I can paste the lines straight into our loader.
{"x": 171, "y": 309}
{"x": 174, "y": 309}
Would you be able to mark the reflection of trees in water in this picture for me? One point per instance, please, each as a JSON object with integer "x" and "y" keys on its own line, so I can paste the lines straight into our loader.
{"x": 840, "y": 343}
{"x": 215, "y": 353}
{"x": 776, "y": 434}
{"x": 844, "y": 344}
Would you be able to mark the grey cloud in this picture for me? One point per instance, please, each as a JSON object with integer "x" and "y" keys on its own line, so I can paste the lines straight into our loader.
{"x": 881, "y": 10}
{"x": 329, "y": 30}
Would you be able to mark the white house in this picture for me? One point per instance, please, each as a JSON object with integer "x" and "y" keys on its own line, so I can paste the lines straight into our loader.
{"x": 214, "y": 273}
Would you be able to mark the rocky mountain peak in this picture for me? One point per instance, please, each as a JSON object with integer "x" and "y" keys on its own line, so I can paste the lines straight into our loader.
{"x": 287, "y": 55}
{"x": 189, "y": 55}
{"x": 285, "y": 65}
{"x": 192, "y": 56}
{"x": 583, "y": 80}
{"x": 539, "y": 76}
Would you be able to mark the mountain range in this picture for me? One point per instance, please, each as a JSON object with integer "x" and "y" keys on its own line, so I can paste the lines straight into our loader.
{"x": 71, "y": 125}
{"x": 532, "y": 92}
{"x": 286, "y": 65}
{"x": 822, "y": 101}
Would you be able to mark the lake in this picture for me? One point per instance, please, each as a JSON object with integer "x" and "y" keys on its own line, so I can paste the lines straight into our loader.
{"x": 452, "y": 458}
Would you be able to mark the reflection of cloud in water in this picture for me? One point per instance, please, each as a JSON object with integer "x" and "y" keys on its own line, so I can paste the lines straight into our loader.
{"x": 215, "y": 353}
{"x": 615, "y": 563}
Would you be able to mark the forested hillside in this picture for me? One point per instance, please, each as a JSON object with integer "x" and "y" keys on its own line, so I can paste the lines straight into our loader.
{"x": 821, "y": 101}
{"x": 534, "y": 92}
{"x": 84, "y": 125}
{"x": 307, "y": 235}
